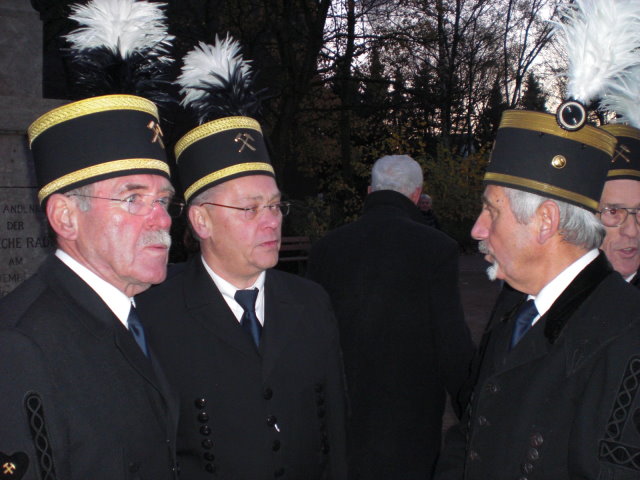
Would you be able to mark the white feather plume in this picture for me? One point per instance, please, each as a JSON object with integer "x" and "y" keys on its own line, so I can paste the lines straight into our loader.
{"x": 206, "y": 65}
{"x": 123, "y": 26}
{"x": 600, "y": 38}
{"x": 623, "y": 97}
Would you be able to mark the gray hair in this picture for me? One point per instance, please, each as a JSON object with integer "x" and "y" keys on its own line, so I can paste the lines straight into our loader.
{"x": 83, "y": 202}
{"x": 399, "y": 173}
{"x": 577, "y": 225}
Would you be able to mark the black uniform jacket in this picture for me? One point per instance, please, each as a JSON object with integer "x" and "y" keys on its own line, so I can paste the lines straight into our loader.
{"x": 565, "y": 402}
{"x": 249, "y": 414}
{"x": 78, "y": 398}
{"x": 393, "y": 282}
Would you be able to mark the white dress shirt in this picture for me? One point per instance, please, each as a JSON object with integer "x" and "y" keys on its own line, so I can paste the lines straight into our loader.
{"x": 228, "y": 292}
{"x": 552, "y": 290}
{"x": 115, "y": 299}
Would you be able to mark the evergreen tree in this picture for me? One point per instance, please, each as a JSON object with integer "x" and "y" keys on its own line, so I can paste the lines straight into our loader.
{"x": 533, "y": 97}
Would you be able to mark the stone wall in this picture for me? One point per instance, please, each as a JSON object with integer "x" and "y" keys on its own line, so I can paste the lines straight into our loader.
{"x": 23, "y": 238}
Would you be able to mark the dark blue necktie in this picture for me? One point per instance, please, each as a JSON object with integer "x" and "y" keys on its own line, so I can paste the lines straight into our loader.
{"x": 249, "y": 321}
{"x": 524, "y": 316}
{"x": 135, "y": 327}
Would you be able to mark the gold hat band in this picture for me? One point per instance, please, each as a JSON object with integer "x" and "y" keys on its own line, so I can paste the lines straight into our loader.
{"x": 545, "y": 123}
{"x": 88, "y": 106}
{"x": 619, "y": 130}
{"x": 543, "y": 188}
{"x": 213, "y": 127}
{"x": 226, "y": 172}
{"x": 623, "y": 171}
{"x": 101, "y": 169}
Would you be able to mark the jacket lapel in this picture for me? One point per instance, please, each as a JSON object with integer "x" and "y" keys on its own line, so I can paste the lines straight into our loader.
{"x": 207, "y": 306}
{"x": 540, "y": 339}
{"x": 99, "y": 320}
{"x": 281, "y": 312}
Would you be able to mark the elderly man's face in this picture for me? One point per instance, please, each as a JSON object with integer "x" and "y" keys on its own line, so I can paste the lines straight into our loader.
{"x": 507, "y": 244}
{"x": 128, "y": 251}
{"x": 424, "y": 204}
{"x": 622, "y": 243}
{"x": 239, "y": 249}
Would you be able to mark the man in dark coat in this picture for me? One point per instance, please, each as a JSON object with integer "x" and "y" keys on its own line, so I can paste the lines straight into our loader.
{"x": 620, "y": 204}
{"x": 80, "y": 397}
{"x": 556, "y": 382}
{"x": 261, "y": 385}
{"x": 393, "y": 282}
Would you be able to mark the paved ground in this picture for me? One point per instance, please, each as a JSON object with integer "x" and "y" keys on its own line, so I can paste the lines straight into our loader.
{"x": 478, "y": 295}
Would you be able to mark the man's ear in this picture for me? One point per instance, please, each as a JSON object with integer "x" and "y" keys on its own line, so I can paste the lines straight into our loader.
{"x": 200, "y": 221}
{"x": 62, "y": 213}
{"x": 548, "y": 219}
{"x": 415, "y": 196}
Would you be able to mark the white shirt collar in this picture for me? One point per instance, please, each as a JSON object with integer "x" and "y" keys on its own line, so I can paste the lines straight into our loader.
{"x": 115, "y": 299}
{"x": 228, "y": 292}
{"x": 552, "y": 290}
{"x": 631, "y": 277}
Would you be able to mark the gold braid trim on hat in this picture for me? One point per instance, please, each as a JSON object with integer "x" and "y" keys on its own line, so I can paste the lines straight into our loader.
{"x": 213, "y": 127}
{"x": 101, "y": 169}
{"x": 623, "y": 171}
{"x": 546, "y": 123}
{"x": 226, "y": 172}
{"x": 542, "y": 187}
{"x": 619, "y": 130}
{"x": 88, "y": 106}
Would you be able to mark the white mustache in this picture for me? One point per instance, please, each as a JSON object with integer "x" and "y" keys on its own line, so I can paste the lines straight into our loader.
{"x": 482, "y": 247}
{"x": 157, "y": 237}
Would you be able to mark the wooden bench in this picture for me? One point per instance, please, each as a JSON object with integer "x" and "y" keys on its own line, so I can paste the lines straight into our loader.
{"x": 294, "y": 253}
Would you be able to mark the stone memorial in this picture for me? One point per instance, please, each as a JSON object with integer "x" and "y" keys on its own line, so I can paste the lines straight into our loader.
{"x": 24, "y": 240}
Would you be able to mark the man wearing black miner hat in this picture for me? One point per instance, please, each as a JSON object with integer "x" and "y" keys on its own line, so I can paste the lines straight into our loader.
{"x": 253, "y": 352}
{"x": 80, "y": 399}
{"x": 620, "y": 204}
{"x": 552, "y": 397}
{"x": 81, "y": 395}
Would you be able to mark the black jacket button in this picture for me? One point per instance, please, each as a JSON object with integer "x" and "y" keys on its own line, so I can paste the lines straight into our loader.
{"x": 267, "y": 393}
{"x": 536, "y": 439}
{"x": 134, "y": 467}
{"x": 527, "y": 468}
{"x": 203, "y": 417}
{"x": 210, "y": 468}
{"x": 201, "y": 402}
{"x": 207, "y": 443}
{"x": 205, "y": 430}
{"x": 209, "y": 456}
{"x": 272, "y": 420}
{"x": 533, "y": 454}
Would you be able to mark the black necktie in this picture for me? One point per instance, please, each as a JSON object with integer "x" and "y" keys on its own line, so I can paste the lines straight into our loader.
{"x": 524, "y": 316}
{"x": 135, "y": 327}
{"x": 249, "y": 321}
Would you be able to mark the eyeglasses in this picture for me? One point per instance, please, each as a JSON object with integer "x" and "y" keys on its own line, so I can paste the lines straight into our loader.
{"x": 141, "y": 205}
{"x": 616, "y": 216}
{"x": 280, "y": 208}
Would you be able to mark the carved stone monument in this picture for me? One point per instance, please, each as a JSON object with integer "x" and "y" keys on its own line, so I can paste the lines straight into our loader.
{"x": 23, "y": 237}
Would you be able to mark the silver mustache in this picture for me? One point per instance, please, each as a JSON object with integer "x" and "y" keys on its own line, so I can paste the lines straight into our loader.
{"x": 157, "y": 237}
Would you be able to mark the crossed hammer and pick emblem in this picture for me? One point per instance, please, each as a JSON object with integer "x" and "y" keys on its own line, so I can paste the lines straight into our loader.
{"x": 157, "y": 132}
{"x": 245, "y": 139}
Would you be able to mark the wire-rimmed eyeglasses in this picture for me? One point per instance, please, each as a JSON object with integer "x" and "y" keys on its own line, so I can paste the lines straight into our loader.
{"x": 141, "y": 205}
{"x": 280, "y": 208}
{"x": 616, "y": 216}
